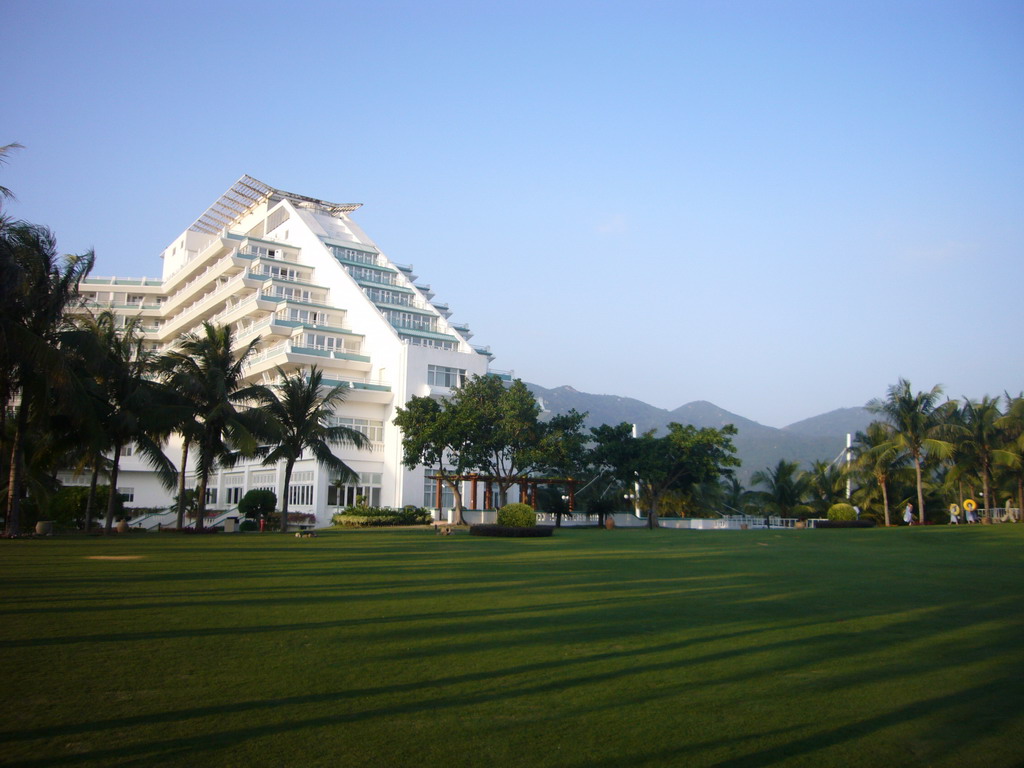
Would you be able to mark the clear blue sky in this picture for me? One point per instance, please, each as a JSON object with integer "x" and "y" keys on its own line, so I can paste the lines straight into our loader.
{"x": 780, "y": 207}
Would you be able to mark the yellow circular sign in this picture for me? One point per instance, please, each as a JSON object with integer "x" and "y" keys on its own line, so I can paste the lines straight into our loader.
{"x": 970, "y": 505}
{"x": 954, "y": 509}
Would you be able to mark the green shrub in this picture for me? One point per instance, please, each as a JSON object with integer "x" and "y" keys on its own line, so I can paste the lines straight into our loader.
{"x": 374, "y": 517}
{"x": 257, "y": 503}
{"x": 518, "y": 515}
{"x": 248, "y": 525}
{"x": 842, "y": 512}
{"x": 66, "y": 507}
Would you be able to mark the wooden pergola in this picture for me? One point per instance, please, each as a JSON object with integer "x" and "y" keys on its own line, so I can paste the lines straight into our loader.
{"x": 527, "y": 488}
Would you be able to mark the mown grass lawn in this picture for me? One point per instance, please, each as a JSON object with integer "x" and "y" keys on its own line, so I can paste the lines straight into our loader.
{"x": 592, "y": 648}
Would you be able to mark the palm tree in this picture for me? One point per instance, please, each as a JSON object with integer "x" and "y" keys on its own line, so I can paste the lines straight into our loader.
{"x": 5, "y": 193}
{"x": 877, "y": 455}
{"x": 979, "y": 440}
{"x": 1012, "y": 426}
{"x": 31, "y": 320}
{"x": 209, "y": 375}
{"x": 785, "y": 487}
{"x": 132, "y": 404}
{"x": 826, "y": 485}
{"x": 916, "y": 422}
{"x": 296, "y": 412}
{"x": 734, "y": 497}
{"x": 188, "y": 428}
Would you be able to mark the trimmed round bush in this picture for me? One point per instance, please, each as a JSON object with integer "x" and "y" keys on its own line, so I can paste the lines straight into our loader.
{"x": 517, "y": 515}
{"x": 257, "y": 503}
{"x": 842, "y": 513}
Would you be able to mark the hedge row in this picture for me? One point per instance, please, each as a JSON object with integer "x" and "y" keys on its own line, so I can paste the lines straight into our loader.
{"x": 511, "y": 531}
{"x": 374, "y": 517}
{"x": 845, "y": 524}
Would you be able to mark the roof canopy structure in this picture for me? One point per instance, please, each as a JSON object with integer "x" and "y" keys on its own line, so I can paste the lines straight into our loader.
{"x": 247, "y": 193}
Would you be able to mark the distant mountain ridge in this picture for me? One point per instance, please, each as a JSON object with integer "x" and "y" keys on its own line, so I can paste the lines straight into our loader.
{"x": 757, "y": 446}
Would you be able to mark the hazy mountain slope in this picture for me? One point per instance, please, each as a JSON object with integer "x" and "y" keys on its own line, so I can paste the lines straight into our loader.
{"x": 838, "y": 422}
{"x": 602, "y": 409}
{"x": 757, "y": 446}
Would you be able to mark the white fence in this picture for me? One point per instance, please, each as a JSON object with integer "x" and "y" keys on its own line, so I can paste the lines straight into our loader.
{"x": 628, "y": 520}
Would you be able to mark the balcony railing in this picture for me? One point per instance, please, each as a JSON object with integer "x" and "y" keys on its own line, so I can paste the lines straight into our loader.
{"x": 122, "y": 281}
{"x": 286, "y": 347}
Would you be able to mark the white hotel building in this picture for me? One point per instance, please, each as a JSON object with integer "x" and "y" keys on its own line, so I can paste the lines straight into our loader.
{"x": 301, "y": 275}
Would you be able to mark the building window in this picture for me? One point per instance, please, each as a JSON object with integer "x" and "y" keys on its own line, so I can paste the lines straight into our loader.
{"x": 233, "y": 484}
{"x": 263, "y": 481}
{"x": 300, "y": 490}
{"x": 211, "y": 495}
{"x": 411, "y": 320}
{"x": 442, "y": 376}
{"x": 430, "y": 495}
{"x": 127, "y": 495}
{"x": 300, "y": 495}
{"x": 305, "y": 316}
{"x": 372, "y": 428}
{"x": 366, "y": 491}
{"x": 419, "y": 341}
{"x": 321, "y": 341}
{"x": 351, "y": 254}
{"x": 385, "y": 296}
{"x": 372, "y": 275}
{"x": 287, "y": 292}
{"x": 281, "y": 273}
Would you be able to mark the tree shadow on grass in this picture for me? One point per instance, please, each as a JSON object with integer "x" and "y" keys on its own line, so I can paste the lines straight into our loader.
{"x": 625, "y": 616}
{"x": 521, "y": 681}
{"x": 163, "y": 750}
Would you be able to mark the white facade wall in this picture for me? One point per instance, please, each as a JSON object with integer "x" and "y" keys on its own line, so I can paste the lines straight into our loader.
{"x": 210, "y": 275}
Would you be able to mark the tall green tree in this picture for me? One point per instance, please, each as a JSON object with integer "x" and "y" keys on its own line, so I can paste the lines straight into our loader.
{"x": 734, "y": 496}
{"x": 826, "y": 485}
{"x": 503, "y": 422}
{"x": 917, "y": 424}
{"x": 877, "y": 457}
{"x": 979, "y": 441}
{"x": 1012, "y": 426}
{"x": 5, "y": 193}
{"x": 297, "y": 412}
{"x": 134, "y": 408}
{"x": 492, "y": 429}
{"x": 206, "y": 371}
{"x": 439, "y": 437}
{"x": 189, "y": 429}
{"x": 32, "y": 318}
{"x": 661, "y": 466}
{"x": 785, "y": 488}
{"x": 514, "y": 442}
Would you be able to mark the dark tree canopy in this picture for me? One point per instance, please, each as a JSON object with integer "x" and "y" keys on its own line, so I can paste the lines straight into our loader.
{"x": 489, "y": 428}
{"x": 685, "y": 457}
